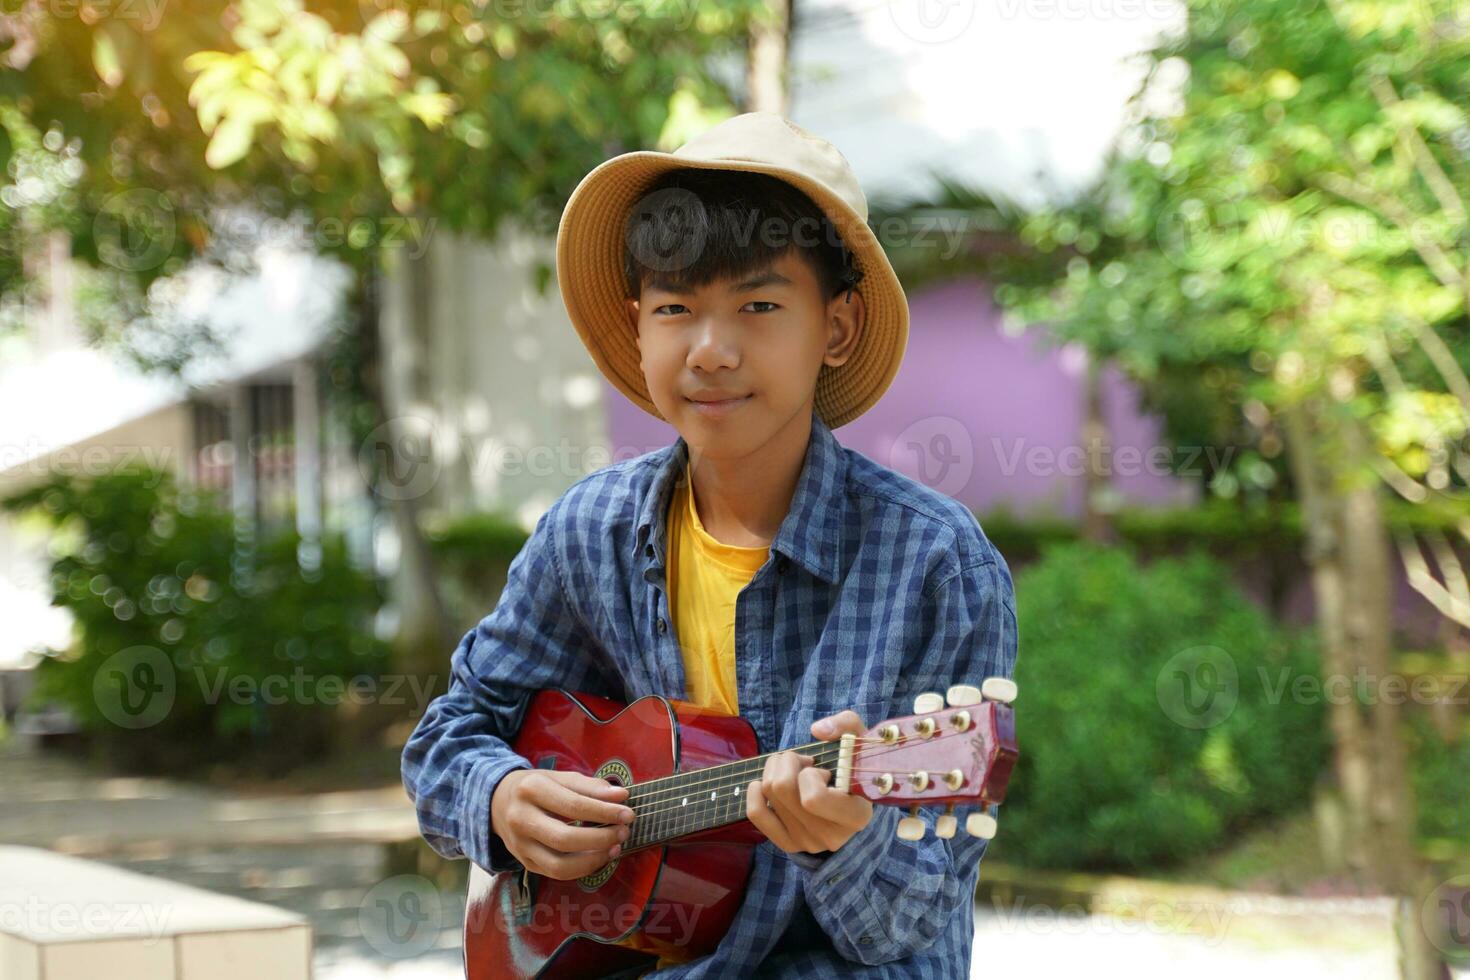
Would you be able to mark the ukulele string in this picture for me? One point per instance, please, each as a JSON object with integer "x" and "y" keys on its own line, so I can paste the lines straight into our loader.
{"x": 663, "y": 835}
{"x": 826, "y": 752}
{"x": 795, "y": 748}
{"x": 702, "y": 800}
{"x": 728, "y": 782}
{"x": 829, "y": 752}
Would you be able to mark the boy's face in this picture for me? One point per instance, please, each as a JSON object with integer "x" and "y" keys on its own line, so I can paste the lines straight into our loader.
{"x": 759, "y": 340}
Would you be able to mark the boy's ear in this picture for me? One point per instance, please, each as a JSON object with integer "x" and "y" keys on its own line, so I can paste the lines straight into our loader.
{"x": 630, "y": 307}
{"x": 844, "y": 327}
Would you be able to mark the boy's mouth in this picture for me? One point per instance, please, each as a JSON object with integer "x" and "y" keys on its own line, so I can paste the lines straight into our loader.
{"x": 717, "y": 406}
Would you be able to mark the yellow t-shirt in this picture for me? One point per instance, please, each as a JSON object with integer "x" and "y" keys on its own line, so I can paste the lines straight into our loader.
{"x": 705, "y": 577}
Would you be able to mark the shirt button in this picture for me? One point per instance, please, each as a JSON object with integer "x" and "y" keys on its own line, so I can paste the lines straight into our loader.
{"x": 662, "y": 626}
{"x": 834, "y": 879}
{"x": 865, "y": 940}
{"x": 781, "y": 565}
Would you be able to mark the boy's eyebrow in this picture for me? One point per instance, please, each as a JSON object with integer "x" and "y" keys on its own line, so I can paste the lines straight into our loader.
{"x": 766, "y": 277}
{"x": 664, "y": 284}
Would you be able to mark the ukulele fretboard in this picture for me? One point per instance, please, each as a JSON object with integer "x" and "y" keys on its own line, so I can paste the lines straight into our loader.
{"x": 686, "y": 803}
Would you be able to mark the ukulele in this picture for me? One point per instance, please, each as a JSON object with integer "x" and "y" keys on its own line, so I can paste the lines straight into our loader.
{"x": 680, "y": 876}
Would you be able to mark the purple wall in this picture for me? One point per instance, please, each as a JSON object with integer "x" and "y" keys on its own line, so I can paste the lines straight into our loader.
{"x": 990, "y": 419}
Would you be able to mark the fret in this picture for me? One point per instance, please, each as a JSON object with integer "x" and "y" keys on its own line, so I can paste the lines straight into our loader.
{"x": 661, "y": 807}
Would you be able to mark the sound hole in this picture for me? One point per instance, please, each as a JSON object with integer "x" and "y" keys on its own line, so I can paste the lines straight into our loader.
{"x": 615, "y": 771}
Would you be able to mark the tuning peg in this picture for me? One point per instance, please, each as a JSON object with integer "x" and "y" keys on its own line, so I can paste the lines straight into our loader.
{"x": 980, "y": 824}
{"x": 1001, "y": 689}
{"x": 927, "y": 702}
{"x": 962, "y": 695}
{"x": 911, "y": 827}
{"x": 946, "y": 824}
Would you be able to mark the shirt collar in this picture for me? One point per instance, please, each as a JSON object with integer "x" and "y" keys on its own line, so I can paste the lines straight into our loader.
{"x": 810, "y": 534}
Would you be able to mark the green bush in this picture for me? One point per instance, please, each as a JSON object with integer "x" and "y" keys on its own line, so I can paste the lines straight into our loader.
{"x": 191, "y": 643}
{"x": 1228, "y": 527}
{"x": 1137, "y": 749}
{"x": 473, "y": 554}
{"x": 1440, "y": 786}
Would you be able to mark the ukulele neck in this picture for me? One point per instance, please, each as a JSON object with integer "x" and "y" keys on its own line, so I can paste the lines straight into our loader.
{"x": 702, "y": 799}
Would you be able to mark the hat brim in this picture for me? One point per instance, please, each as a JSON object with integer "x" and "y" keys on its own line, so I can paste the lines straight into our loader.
{"x": 589, "y": 266}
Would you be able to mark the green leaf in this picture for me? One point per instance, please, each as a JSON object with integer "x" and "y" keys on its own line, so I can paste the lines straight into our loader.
{"x": 105, "y": 59}
{"x": 230, "y": 143}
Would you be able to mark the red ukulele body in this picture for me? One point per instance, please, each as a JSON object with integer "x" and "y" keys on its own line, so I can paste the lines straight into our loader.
{"x": 680, "y": 878}
{"x": 685, "y": 892}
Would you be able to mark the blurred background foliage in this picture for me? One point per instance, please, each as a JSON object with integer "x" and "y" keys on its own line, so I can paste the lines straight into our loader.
{"x": 1109, "y": 780}
{"x": 138, "y": 562}
{"x": 137, "y": 136}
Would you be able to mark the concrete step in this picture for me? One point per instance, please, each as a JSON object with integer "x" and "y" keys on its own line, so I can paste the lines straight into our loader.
{"x": 69, "y": 919}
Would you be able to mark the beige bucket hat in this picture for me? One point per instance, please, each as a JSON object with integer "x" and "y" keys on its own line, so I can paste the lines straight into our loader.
{"x": 589, "y": 253}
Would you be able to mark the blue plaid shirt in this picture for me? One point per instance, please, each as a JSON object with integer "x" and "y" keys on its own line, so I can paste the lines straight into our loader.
{"x": 877, "y": 588}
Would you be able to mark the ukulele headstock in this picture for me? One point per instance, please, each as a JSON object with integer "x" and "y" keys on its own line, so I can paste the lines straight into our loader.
{"x": 955, "y": 749}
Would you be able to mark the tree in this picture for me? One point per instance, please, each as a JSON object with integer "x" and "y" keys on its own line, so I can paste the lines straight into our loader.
{"x": 352, "y": 116}
{"x": 1284, "y": 219}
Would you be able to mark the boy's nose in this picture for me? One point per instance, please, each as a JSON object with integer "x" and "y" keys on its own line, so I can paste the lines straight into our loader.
{"x": 713, "y": 347}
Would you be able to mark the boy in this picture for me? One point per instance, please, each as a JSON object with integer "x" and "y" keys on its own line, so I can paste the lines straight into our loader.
{"x": 756, "y": 566}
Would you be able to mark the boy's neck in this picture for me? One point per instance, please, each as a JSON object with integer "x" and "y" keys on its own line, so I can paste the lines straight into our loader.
{"x": 743, "y": 500}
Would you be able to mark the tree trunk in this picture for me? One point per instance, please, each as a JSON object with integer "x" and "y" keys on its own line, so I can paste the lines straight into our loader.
{"x": 765, "y": 69}
{"x": 1348, "y": 550}
{"x": 424, "y": 639}
{"x": 1097, "y": 520}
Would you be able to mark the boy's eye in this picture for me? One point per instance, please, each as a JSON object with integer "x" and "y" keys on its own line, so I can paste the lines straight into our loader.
{"x": 762, "y": 302}
{"x": 668, "y": 306}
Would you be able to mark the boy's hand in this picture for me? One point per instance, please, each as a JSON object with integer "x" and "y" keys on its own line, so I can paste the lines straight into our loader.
{"x": 530, "y": 809}
{"x": 804, "y": 812}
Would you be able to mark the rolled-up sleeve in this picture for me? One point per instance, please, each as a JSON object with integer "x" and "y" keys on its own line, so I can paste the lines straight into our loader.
{"x": 459, "y": 751}
{"x": 880, "y": 898}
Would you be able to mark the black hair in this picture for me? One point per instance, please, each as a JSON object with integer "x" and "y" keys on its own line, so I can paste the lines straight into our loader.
{"x": 692, "y": 226}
